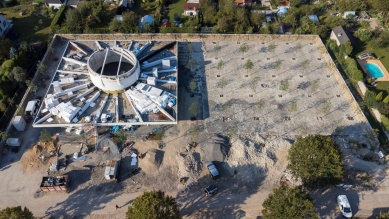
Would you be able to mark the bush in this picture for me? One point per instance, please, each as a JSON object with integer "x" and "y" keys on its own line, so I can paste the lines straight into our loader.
{"x": 59, "y": 17}
{"x": 385, "y": 122}
{"x": 379, "y": 97}
{"x": 383, "y": 108}
{"x": 370, "y": 99}
{"x": 363, "y": 34}
{"x": 386, "y": 100}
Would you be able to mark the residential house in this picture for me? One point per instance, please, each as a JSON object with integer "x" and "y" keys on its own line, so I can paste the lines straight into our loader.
{"x": 73, "y": 3}
{"x": 341, "y": 35}
{"x": 5, "y": 25}
{"x": 265, "y": 3}
{"x": 191, "y": 9}
{"x": 54, "y": 3}
{"x": 244, "y": 2}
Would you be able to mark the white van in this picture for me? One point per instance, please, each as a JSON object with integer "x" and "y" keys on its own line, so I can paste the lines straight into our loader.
{"x": 344, "y": 206}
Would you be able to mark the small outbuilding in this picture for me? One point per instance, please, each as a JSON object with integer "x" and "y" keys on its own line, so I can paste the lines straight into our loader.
{"x": 341, "y": 35}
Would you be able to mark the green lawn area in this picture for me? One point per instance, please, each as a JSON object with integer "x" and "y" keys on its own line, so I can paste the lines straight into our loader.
{"x": 176, "y": 8}
{"x": 28, "y": 27}
{"x": 382, "y": 54}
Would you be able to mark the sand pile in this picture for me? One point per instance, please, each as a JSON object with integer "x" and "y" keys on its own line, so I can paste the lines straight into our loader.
{"x": 255, "y": 158}
{"x": 189, "y": 165}
{"x": 38, "y": 157}
{"x": 152, "y": 160}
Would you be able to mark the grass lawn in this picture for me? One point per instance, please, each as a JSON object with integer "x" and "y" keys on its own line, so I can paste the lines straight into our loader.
{"x": 382, "y": 54}
{"x": 28, "y": 27}
{"x": 176, "y": 8}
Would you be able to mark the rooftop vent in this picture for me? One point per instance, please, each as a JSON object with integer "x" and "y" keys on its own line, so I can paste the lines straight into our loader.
{"x": 339, "y": 34}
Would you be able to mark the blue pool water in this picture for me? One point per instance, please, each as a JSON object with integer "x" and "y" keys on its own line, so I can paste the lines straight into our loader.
{"x": 374, "y": 70}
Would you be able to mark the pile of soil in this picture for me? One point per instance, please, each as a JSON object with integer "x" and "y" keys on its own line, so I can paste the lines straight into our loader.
{"x": 189, "y": 166}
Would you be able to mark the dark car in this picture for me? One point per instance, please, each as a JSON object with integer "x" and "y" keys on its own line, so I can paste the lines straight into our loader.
{"x": 210, "y": 190}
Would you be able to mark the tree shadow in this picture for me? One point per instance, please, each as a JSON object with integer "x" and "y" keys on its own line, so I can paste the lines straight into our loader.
{"x": 326, "y": 204}
{"x": 235, "y": 186}
{"x": 86, "y": 200}
{"x": 377, "y": 211}
{"x": 199, "y": 96}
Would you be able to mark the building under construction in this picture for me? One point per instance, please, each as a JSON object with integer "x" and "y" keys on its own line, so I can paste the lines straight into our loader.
{"x": 108, "y": 83}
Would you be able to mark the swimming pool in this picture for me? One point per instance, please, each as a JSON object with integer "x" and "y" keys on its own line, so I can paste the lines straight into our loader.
{"x": 374, "y": 70}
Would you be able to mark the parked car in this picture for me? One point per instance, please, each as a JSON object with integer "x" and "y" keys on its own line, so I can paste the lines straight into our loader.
{"x": 212, "y": 169}
{"x": 344, "y": 206}
{"x": 210, "y": 190}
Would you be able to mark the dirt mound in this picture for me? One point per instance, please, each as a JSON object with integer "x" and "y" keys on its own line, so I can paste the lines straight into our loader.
{"x": 216, "y": 149}
{"x": 38, "y": 157}
{"x": 153, "y": 160}
{"x": 189, "y": 165}
{"x": 254, "y": 158}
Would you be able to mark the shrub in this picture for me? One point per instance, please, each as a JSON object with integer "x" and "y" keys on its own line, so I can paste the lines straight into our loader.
{"x": 370, "y": 99}
{"x": 59, "y": 17}
{"x": 385, "y": 122}
{"x": 379, "y": 96}
{"x": 363, "y": 34}
{"x": 383, "y": 108}
{"x": 386, "y": 100}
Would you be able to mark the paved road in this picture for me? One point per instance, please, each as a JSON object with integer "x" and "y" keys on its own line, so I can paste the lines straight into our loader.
{"x": 364, "y": 204}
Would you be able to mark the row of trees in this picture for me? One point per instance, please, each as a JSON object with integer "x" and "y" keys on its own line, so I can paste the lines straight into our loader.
{"x": 81, "y": 19}
{"x": 16, "y": 60}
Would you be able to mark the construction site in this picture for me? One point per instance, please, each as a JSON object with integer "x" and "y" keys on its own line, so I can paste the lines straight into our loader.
{"x": 181, "y": 101}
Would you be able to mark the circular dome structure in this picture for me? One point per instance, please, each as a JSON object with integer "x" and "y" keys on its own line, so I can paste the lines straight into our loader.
{"x": 113, "y": 69}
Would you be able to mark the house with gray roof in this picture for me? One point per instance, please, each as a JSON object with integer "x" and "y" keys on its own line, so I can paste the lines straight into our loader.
{"x": 341, "y": 35}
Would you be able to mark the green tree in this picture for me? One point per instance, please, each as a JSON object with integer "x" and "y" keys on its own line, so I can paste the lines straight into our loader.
{"x": 74, "y": 21}
{"x": 380, "y": 4}
{"x": 287, "y": 202}
{"x": 257, "y": 18}
{"x": 16, "y": 213}
{"x": 295, "y": 3}
{"x": 383, "y": 215}
{"x": 153, "y": 205}
{"x": 192, "y": 85}
{"x": 272, "y": 47}
{"x": 120, "y": 136}
{"x": 194, "y": 109}
{"x": 370, "y": 99}
{"x": 18, "y": 74}
{"x": 292, "y": 106}
{"x": 386, "y": 100}
{"x": 217, "y": 49}
{"x": 316, "y": 160}
{"x": 248, "y": 66}
{"x": 191, "y": 63}
{"x": 220, "y": 65}
{"x": 244, "y": 48}
{"x": 222, "y": 83}
{"x": 130, "y": 22}
{"x": 304, "y": 65}
{"x": 115, "y": 25}
{"x": 5, "y": 45}
{"x": 334, "y": 21}
{"x": 363, "y": 34}
{"x": 41, "y": 67}
{"x": 346, "y": 48}
{"x": 4, "y": 135}
{"x": 46, "y": 136}
{"x": 284, "y": 85}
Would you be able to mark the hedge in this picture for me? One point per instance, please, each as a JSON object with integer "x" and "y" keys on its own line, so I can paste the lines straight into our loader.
{"x": 385, "y": 122}
{"x": 386, "y": 100}
{"x": 379, "y": 96}
{"x": 59, "y": 16}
